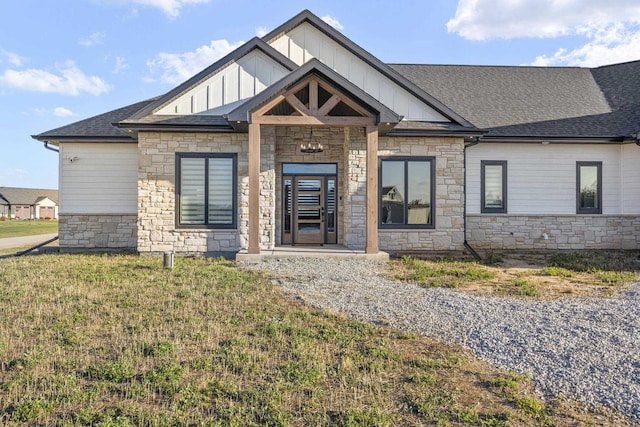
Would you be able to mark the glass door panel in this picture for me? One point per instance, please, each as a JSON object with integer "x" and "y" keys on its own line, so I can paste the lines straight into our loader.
{"x": 332, "y": 235}
{"x": 287, "y": 209}
{"x": 309, "y": 207}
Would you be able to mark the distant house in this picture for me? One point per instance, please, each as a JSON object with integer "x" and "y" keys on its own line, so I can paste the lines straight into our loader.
{"x": 302, "y": 137}
{"x": 28, "y": 203}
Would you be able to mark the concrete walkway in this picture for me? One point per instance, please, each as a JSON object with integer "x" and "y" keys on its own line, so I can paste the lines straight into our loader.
{"x": 24, "y": 241}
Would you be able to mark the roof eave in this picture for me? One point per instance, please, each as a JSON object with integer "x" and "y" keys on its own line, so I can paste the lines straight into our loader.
{"x": 574, "y": 139}
{"x": 159, "y": 127}
{"x": 464, "y": 133}
{"x": 77, "y": 138}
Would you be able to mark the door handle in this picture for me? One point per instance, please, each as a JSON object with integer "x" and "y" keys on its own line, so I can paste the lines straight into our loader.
{"x": 322, "y": 214}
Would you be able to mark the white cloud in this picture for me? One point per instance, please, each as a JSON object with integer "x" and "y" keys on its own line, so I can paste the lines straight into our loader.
{"x": 94, "y": 39}
{"x": 489, "y": 19}
{"x": 171, "y": 8}
{"x": 13, "y": 58}
{"x": 62, "y": 112}
{"x": 121, "y": 64}
{"x": 70, "y": 80}
{"x": 177, "y": 67}
{"x": 333, "y": 22}
{"x": 262, "y": 31}
{"x": 611, "y": 29}
{"x": 610, "y": 45}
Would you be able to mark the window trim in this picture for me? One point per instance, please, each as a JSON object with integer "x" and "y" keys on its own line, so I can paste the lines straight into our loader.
{"x": 483, "y": 208}
{"x": 206, "y": 156}
{"x": 432, "y": 200}
{"x": 587, "y": 211}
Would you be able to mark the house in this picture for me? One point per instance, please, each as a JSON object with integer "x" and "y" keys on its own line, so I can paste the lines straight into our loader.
{"x": 28, "y": 203}
{"x": 302, "y": 137}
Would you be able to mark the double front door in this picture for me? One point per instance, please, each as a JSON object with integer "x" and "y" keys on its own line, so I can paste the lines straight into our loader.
{"x": 309, "y": 209}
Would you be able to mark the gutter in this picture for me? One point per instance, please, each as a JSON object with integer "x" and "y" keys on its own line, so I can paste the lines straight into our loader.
{"x": 473, "y": 252}
{"x": 46, "y": 145}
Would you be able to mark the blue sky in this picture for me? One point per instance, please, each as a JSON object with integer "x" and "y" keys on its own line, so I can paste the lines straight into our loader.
{"x": 65, "y": 60}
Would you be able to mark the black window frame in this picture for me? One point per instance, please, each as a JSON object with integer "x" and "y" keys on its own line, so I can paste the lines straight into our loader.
{"x": 589, "y": 211}
{"x": 432, "y": 202}
{"x": 206, "y": 156}
{"x": 483, "y": 207}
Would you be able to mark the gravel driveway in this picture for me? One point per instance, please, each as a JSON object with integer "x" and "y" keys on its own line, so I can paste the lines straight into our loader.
{"x": 587, "y": 349}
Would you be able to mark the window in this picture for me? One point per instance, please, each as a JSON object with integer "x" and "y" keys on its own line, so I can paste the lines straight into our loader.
{"x": 589, "y": 187}
{"x": 407, "y": 192}
{"x": 493, "y": 186}
{"x": 206, "y": 190}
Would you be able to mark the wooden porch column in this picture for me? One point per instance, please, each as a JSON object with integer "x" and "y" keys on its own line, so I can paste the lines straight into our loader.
{"x": 254, "y": 189}
{"x": 372, "y": 190}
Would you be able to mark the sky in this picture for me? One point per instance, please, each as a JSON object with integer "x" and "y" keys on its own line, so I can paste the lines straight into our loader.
{"x": 65, "y": 60}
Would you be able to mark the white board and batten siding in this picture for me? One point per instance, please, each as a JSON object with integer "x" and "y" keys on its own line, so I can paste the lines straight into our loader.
{"x": 631, "y": 178}
{"x": 101, "y": 179}
{"x": 541, "y": 179}
{"x": 228, "y": 87}
{"x": 305, "y": 42}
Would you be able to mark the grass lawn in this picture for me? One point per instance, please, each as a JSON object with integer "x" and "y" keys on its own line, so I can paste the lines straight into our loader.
{"x": 117, "y": 340}
{"x": 17, "y": 228}
{"x": 552, "y": 275}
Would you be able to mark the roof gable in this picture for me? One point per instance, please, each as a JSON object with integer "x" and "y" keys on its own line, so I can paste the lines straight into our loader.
{"x": 215, "y": 90}
{"x": 383, "y": 115}
{"x": 306, "y": 36}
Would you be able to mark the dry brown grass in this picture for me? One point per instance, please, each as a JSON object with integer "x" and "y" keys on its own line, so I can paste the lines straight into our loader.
{"x": 539, "y": 275}
{"x": 118, "y": 341}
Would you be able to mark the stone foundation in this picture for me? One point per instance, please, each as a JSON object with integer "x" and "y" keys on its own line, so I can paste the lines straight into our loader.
{"x": 573, "y": 232}
{"x": 97, "y": 232}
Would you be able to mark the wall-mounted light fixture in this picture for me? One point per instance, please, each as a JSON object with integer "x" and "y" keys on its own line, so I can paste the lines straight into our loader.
{"x": 312, "y": 145}
{"x": 72, "y": 159}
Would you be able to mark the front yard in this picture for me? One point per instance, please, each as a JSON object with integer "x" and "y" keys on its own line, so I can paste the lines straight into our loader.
{"x": 117, "y": 340}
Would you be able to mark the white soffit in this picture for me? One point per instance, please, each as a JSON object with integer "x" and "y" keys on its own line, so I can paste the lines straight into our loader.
{"x": 305, "y": 42}
{"x": 227, "y": 87}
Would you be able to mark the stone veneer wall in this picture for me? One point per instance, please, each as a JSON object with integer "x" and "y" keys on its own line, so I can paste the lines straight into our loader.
{"x": 156, "y": 192}
{"x": 510, "y": 232}
{"x": 97, "y": 232}
{"x": 448, "y": 235}
{"x": 355, "y": 211}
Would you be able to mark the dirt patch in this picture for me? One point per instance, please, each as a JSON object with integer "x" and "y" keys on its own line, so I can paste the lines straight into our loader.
{"x": 526, "y": 274}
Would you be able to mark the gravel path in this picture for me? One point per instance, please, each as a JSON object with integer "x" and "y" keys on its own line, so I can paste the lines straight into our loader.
{"x": 587, "y": 349}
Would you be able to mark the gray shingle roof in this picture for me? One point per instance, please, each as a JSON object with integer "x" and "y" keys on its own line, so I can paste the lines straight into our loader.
{"x": 25, "y": 196}
{"x": 537, "y": 101}
{"x": 99, "y": 126}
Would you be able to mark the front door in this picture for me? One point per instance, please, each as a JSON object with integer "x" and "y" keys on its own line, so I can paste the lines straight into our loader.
{"x": 309, "y": 209}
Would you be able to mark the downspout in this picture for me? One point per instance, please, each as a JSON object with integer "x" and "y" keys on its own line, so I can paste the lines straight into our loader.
{"x": 464, "y": 210}
{"x": 46, "y": 145}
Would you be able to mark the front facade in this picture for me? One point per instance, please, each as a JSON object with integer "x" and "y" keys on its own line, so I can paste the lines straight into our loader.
{"x": 304, "y": 138}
